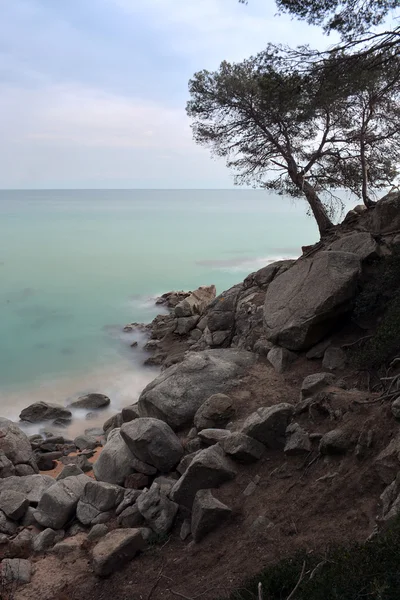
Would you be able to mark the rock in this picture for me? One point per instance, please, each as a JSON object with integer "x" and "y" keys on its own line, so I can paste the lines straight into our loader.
{"x": 185, "y": 462}
{"x": 153, "y": 442}
{"x": 334, "y": 358}
{"x": 43, "y": 411}
{"x": 209, "y": 468}
{"x": 6, "y": 525}
{"x": 280, "y": 358}
{"x": 302, "y": 304}
{"x": 13, "y": 504}
{"x": 360, "y": 243}
{"x": 388, "y": 460}
{"x": 29, "y": 519}
{"x": 84, "y": 442}
{"x": 130, "y": 497}
{"x": 136, "y": 481}
{"x": 318, "y": 350}
{"x": 186, "y": 529}
{"x": 194, "y": 445}
{"x": 129, "y": 413}
{"x": 115, "y": 549}
{"x": 62, "y": 422}
{"x": 7, "y": 469}
{"x": 98, "y": 498}
{"x": 130, "y": 517}
{"x": 58, "y": 504}
{"x": 68, "y": 546}
{"x": 213, "y": 436}
{"x": 396, "y": 408}
{"x": 337, "y": 441}
{"x": 208, "y": 514}
{"x": 16, "y": 570}
{"x": 196, "y": 302}
{"x": 157, "y": 510}
{"x": 97, "y": 532}
{"x": 186, "y": 324}
{"x": 316, "y": 383}
{"x": 76, "y": 529}
{"x": 20, "y": 546}
{"x": 22, "y": 470}
{"x": 115, "y": 462}
{"x": 243, "y": 448}
{"x": 44, "y": 540}
{"x": 14, "y": 443}
{"x": 297, "y": 441}
{"x": 30, "y": 486}
{"x": 91, "y": 401}
{"x": 46, "y": 462}
{"x": 69, "y": 471}
{"x": 113, "y": 422}
{"x": 216, "y": 411}
{"x": 268, "y": 424}
{"x": 166, "y": 483}
{"x": 177, "y": 394}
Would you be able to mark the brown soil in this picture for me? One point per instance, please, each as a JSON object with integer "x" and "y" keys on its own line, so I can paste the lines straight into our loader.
{"x": 59, "y": 465}
{"x": 312, "y": 502}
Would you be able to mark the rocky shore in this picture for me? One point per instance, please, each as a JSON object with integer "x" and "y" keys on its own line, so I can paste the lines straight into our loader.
{"x": 257, "y": 438}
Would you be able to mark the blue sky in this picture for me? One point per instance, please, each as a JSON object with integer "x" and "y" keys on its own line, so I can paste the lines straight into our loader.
{"x": 93, "y": 92}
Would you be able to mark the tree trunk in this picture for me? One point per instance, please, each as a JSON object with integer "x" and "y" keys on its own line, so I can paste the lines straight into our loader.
{"x": 364, "y": 172}
{"x": 318, "y": 209}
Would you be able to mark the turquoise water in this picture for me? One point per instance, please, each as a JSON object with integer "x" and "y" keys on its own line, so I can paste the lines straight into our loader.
{"x": 75, "y": 266}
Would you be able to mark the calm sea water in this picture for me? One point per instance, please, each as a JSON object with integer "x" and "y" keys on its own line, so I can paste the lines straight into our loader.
{"x": 75, "y": 266}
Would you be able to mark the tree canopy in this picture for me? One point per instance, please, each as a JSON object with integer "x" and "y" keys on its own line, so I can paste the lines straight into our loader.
{"x": 300, "y": 131}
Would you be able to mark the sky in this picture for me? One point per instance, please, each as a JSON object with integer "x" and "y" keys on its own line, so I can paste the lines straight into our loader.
{"x": 93, "y": 92}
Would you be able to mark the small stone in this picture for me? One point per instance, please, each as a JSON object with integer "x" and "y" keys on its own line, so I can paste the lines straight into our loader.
{"x": 6, "y": 525}
{"x": 130, "y": 517}
{"x": 158, "y": 511}
{"x": 281, "y": 358}
{"x": 69, "y": 471}
{"x": 130, "y": 497}
{"x": 243, "y": 448}
{"x": 91, "y": 401}
{"x": 97, "y": 532}
{"x": 136, "y": 481}
{"x": 21, "y": 545}
{"x": 13, "y": 504}
{"x": 186, "y": 529}
{"x": 44, "y": 541}
{"x": 316, "y": 383}
{"x": 130, "y": 412}
{"x": 216, "y": 411}
{"x": 318, "y": 350}
{"x": 213, "y": 436}
{"x": 297, "y": 441}
{"x": 336, "y": 441}
{"x": 66, "y": 547}
{"x": 84, "y": 442}
{"x": 334, "y": 358}
{"x": 250, "y": 489}
{"x": 16, "y": 569}
{"x": 268, "y": 424}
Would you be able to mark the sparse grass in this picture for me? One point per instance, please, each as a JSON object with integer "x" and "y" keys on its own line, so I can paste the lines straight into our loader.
{"x": 362, "y": 571}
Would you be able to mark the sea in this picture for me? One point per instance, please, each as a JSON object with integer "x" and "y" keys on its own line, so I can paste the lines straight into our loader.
{"x": 77, "y": 265}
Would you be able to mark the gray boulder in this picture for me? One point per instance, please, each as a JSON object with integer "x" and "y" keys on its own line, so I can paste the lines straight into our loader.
{"x": 115, "y": 462}
{"x": 210, "y": 468}
{"x": 213, "y": 436}
{"x": 281, "y": 358}
{"x": 91, "y": 401}
{"x": 268, "y": 424}
{"x": 58, "y": 504}
{"x": 177, "y": 394}
{"x": 69, "y": 471}
{"x": 337, "y": 441}
{"x": 395, "y": 408}
{"x": 196, "y": 302}
{"x": 115, "y": 549}
{"x": 44, "y": 540}
{"x": 6, "y": 525}
{"x": 243, "y": 448}
{"x": 297, "y": 441}
{"x": 14, "y": 443}
{"x": 97, "y": 532}
{"x": 360, "y": 243}
{"x": 130, "y": 517}
{"x": 7, "y": 469}
{"x": 316, "y": 383}
{"x": 157, "y": 510}
{"x": 130, "y": 412}
{"x": 216, "y": 411}
{"x": 112, "y": 423}
{"x": 44, "y": 411}
{"x": 185, "y": 324}
{"x": 153, "y": 442}
{"x": 208, "y": 514}
{"x": 334, "y": 358}
{"x": 301, "y": 305}
{"x": 16, "y": 570}
{"x": 86, "y": 442}
{"x": 32, "y": 487}
{"x": 13, "y": 504}
{"x": 23, "y": 469}
{"x": 129, "y": 498}
{"x": 97, "y": 498}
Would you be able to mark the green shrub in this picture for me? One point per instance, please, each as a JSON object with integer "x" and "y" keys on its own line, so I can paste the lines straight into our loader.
{"x": 370, "y": 570}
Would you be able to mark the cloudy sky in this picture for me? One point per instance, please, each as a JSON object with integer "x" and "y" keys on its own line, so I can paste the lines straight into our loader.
{"x": 93, "y": 92}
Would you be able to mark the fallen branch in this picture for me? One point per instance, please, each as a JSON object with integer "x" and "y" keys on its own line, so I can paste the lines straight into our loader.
{"x": 296, "y": 587}
{"x": 317, "y": 568}
{"x": 155, "y": 584}
{"x": 365, "y": 337}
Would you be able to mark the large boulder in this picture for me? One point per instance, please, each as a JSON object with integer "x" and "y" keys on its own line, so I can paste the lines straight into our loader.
{"x": 302, "y": 305}
{"x": 115, "y": 549}
{"x": 209, "y": 468}
{"x": 360, "y": 243}
{"x": 7, "y": 469}
{"x": 268, "y": 424}
{"x": 153, "y": 442}
{"x": 196, "y": 302}
{"x": 44, "y": 411}
{"x": 115, "y": 462}
{"x": 216, "y": 411}
{"x": 97, "y": 498}
{"x": 177, "y": 394}
{"x": 14, "y": 443}
{"x": 157, "y": 510}
{"x": 208, "y": 514}
{"x": 91, "y": 401}
{"x": 58, "y": 504}
{"x": 32, "y": 487}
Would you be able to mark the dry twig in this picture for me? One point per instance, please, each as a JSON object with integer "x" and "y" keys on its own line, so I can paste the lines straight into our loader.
{"x": 155, "y": 584}
{"x": 296, "y": 587}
